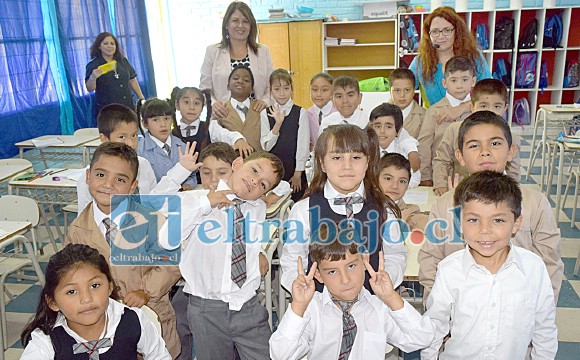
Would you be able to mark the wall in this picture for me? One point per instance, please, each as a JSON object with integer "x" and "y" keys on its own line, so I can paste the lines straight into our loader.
{"x": 353, "y": 11}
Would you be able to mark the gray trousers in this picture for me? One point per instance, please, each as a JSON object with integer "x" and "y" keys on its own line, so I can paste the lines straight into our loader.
{"x": 180, "y": 304}
{"x": 217, "y": 330}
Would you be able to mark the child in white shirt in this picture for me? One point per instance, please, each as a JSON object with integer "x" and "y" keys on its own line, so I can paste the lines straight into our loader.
{"x": 347, "y": 98}
{"x": 493, "y": 297}
{"x": 387, "y": 121}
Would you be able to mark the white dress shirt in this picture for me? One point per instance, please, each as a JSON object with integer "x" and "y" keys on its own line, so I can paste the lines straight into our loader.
{"x": 206, "y": 260}
{"x": 395, "y": 254}
{"x": 453, "y": 101}
{"x": 147, "y": 183}
{"x": 493, "y": 316}
{"x": 406, "y": 111}
{"x": 193, "y": 132}
{"x": 318, "y": 333}
{"x": 404, "y": 144}
{"x": 150, "y": 344}
{"x": 359, "y": 118}
{"x": 268, "y": 139}
{"x": 282, "y": 188}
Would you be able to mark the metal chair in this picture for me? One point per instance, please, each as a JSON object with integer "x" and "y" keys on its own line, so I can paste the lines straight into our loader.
{"x": 22, "y": 208}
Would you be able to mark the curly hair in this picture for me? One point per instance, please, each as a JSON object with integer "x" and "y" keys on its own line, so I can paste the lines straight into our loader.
{"x": 463, "y": 43}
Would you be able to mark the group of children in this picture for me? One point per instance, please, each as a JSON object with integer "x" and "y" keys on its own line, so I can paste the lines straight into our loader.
{"x": 483, "y": 267}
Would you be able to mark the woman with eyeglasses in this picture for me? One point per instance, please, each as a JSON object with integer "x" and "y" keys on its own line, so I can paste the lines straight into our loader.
{"x": 444, "y": 36}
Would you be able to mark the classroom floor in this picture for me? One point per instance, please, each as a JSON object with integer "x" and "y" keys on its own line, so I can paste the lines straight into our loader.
{"x": 21, "y": 309}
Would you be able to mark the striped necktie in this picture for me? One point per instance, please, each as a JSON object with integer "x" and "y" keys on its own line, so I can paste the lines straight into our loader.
{"x": 348, "y": 201}
{"x": 189, "y": 129}
{"x": 167, "y": 149}
{"x": 238, "y": 274}
{"x": 243, "y": 108}
{"x": 92, "y": 347}
{"x": 348, "y": 328}
{"x": 111, "y": 232}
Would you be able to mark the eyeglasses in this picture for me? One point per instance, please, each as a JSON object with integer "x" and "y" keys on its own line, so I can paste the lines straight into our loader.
{"x": 436, "y": 32}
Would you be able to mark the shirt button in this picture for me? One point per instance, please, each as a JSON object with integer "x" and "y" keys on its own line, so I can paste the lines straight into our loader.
{"x": 489, "y": 348}
{"x": 491, "y": 327}
{"x": 493, "y": 305}
{"x": 121, "y": 85}
{"x": 124, "y": 97}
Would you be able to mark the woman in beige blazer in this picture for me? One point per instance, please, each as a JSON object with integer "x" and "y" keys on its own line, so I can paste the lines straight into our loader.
{"x": 238, "y": 46}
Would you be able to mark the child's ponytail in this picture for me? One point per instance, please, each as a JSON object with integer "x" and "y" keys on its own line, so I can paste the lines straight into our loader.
{"x": 138, "y": 111}
{"x": 207, "y": 94}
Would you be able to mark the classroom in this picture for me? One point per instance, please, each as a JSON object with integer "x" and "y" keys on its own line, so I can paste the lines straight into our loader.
{"x": 421, "y": 203}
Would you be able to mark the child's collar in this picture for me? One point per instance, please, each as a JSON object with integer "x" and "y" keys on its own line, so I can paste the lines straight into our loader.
{"x": 453, "y": 101}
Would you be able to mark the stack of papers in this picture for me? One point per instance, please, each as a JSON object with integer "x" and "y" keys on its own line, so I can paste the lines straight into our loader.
{"x": 347, "y": 42}
{"x": 41, "y": 143}
{"x": 331, "y": 41}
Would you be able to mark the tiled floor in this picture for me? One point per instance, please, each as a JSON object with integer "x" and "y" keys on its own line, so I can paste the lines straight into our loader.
{"x": 20, "y": 310}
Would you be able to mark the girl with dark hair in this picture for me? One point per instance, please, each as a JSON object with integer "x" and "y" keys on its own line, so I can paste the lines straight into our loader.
{"x": 78, "y": 313}
{"x": 113, "y": 86}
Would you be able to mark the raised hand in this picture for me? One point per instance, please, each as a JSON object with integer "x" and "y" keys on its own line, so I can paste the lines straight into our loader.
{"x": 243, "y": 148}
{"x": 303, "y": 288}
{"x": 381, "y": 283}
{"x": 296, "y": 181}
{"x": 188, "y": 158}
{"x": 452, "y": 183}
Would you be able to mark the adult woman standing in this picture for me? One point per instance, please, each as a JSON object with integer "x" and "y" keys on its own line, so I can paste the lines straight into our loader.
{"x": 114, "y": 86}
{"x": 238, "y": 47}
{"x": 444, "y": 36}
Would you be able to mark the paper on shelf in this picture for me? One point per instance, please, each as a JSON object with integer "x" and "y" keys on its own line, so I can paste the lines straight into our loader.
{"x": 41, "y": 143}
{"x": 416, "y": 197}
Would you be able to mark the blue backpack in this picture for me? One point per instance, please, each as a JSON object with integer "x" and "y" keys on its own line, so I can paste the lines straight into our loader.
{"x": 543, "y": 76}
{"x": 409, "y": 35}
{"x": 553, "y": 28}
{"x": 521, "y": 114}
{"x": 571, "y": 74}
{"x": 503, "y": 72}
{"x": 481, "y": 36}
{"x": 526, "y": 70}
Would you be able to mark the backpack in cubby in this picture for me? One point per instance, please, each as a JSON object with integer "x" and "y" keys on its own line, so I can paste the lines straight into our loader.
{"x": 529, "y": 35}
{"x": 526, "y": 70}
{"x": 504, "y": 34}
{"x": 543, "y": 75}
{"x": 571, "y": 74}
{"x": 503, "y": 72}
{"x": 481, "y": 36}
{"x": 521, "y": 115}
{"x": 553, "y": 28}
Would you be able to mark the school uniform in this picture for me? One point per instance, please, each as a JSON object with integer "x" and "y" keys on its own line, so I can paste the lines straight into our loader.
{"x": 156, "y": 281}
{"x": 404, "y": 144}
{"x": 129, "y": 329}
{"x": 161, "y": 162}
{"x": 248, "y": 124}
{"x": 413, "y": 116}
{"x": 412, "y": 215}
{"x": 538, "y": 233}
{"x": 291, "y": 143}
{"x": 431, "y": 133}
{"x": 146, "y": 182}
{"x": 221, "y": 313}
{"x": 494, "y": 316}
{"x": 359, "y": 118}
{"x": 297, "y": 242}
{"x": 315, "y": 116}
{"x": 197, "y": 131}
{"x": 318, "y": 333}
{"x": 446, "y": 164}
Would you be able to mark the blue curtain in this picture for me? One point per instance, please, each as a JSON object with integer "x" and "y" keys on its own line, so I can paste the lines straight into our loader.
{"x": 28, "y": 99}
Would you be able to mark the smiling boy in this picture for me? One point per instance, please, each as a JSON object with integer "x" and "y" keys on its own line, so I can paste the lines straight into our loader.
{"x": 346, "y": 97}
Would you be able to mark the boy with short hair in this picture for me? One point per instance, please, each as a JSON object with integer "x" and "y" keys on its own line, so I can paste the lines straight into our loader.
{"x": 488, "y": 94}
{"x": 220, "y": 262}
{"x": 402, "y": 94}
{"x": 459, "y": 79}
{"x": 387, "y": 121}
{"x": 485, "y": 143}
{"x": 346, "y": 97}
{"x": 497, "y": 295}
{"x": 113, "y": 170}
{"x": 394, "y": 180}
{"x": 118, "y": 123}
{"x": 345, "y": 321}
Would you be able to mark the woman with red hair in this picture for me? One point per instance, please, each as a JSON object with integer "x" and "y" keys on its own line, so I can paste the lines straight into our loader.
{"x": 444, "y": 36}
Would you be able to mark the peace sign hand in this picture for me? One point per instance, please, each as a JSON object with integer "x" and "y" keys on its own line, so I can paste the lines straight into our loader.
{"x": 303, "y": 289}
{"x": 381, "y": 283}
{"x": 188, "y": 158}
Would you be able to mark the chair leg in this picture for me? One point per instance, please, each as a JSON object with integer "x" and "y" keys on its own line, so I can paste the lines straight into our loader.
{"x": 568, "y": 183}
{"x": 575, "y": 202}
{"x": 577, "y": 268}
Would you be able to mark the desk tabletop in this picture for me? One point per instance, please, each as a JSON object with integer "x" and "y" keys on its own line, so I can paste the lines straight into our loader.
{"x": 570, "y": 108}
{"x": 10, "y": 228}
{"x": 93, "y": 144}
{"x": 68, "y": 141}
{"x": 8, "y": 171}
{"x": 47, "y": 181}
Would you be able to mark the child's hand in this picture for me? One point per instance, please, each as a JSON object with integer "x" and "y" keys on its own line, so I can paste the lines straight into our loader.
{"x": 219, "y": 110}
{"x": 440, "y": 190}
{"x": 188, "y": 158}
{"x": 270, "y": 199}
{"x": 426, "y": 183}
{"x": 136, "y": 298}
{"x": 259, "y": 105}
{"x": 450, "y": 114}
{"x": 278, "y": 115}
{"x": 303, "y": 289}
{"x": 264, "y": 265}
{"x": 452, "y": 183}
{"x": 296, "y": 181}
{"x": 219, "y": 198}
{"x": 186, "y": 187}
{"x": 381, "y": 283}
{"x": 243, "y": 148}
